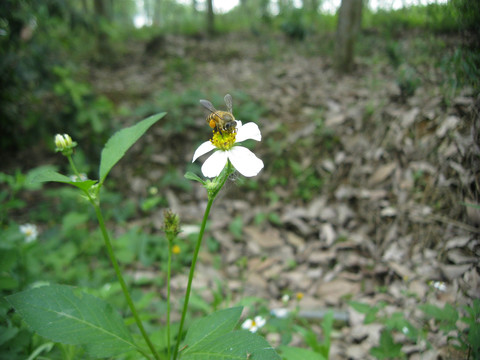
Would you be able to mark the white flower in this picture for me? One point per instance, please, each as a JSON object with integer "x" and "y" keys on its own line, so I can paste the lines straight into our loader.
{"x": 439, "y": 285}
{"x": 253, "y": 325}
{"x": 241, "y": 158}
{"x": 75, "y": 178}
{"x": 281, "y": 313}
{"x": 30, "y": 231}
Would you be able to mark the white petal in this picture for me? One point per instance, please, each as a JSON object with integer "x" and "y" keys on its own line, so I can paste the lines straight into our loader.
{"x": 260, "y": 321}
{"x": 247, "y": 324}
{"x": 214, "y": 165}
{"x": 248, "y": 131}
{"x": 245, "y": 161}
{"x": 203, "y": 149}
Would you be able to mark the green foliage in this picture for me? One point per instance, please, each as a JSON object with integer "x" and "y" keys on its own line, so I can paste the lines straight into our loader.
{"x": 296, "y": 353}
{"x": 447, "y": 319}
{"x": 394, "y": 53}
{"x": 294, "y": 25}
{"x": 180, "y": 105}
{"x": 236, "y": 227}
{"x": 468, "y": 14}
{"x": 120, "y": 142}
{"x": 408, "y": 81}
{"x": 387, "y": 348}
{"x": 435, "y": 17}
{"x": 63, "y": 314}
{"x": 212, "y": 337}
{"x": 462, "y": 68}
{"x": 81, "y": 105}
{"x": 40, "y": 91}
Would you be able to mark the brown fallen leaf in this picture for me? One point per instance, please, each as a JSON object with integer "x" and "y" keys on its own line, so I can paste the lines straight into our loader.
{"x": 382, "y": 173}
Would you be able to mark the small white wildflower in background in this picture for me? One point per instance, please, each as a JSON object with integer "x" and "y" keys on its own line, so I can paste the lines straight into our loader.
{"x": 75, "y": 178}
{"x": 280, "y": 313}
{"x": 254, "y": 324}
{"x": 285, "y": 298}
{"x": 439, "y": 285}
{"x": 30, "y": 231}
{"x": 225, "y": 144}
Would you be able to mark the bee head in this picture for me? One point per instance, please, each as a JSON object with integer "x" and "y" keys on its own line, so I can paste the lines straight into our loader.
{"x": 230, "y": 126}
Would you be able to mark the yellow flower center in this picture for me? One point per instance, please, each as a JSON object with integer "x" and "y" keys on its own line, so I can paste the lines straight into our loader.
{"x": 176, "y": 249}
{"x": 223, "y": 140}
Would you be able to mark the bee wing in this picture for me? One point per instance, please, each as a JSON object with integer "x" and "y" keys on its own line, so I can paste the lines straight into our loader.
{"x": 229, "y": 101}
{"x": 208, "y": 105}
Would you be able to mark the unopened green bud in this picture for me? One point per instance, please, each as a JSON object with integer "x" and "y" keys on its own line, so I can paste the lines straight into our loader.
{"x": 68, "y": 140}
{"x": 60, "y": 142}
{"x": 171, "y": 224}
{"x": 64, "y": 144}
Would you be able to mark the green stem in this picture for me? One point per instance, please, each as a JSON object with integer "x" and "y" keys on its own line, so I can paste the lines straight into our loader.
{"x": 74, "y": 168}
{"x": 116, "y": 267}
{"x": 190, "y": 276}
{"x": 169, "y": 272}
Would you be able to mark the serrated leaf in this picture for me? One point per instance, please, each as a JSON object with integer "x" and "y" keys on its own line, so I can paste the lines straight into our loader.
{"x": 66, "y": 315}
{"x": 121, "y": 141}
{"x": 295, "y": 353}
{"x": 213, "y": 325}
{"x": 233, "y": 345}
{"x": 53, "y": 176}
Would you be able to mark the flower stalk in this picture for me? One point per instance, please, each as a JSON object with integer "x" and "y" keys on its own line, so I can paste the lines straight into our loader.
{"x": 171, "y": 228}
{"x": 126, "y": 293}
{"x": 192, "y": 271}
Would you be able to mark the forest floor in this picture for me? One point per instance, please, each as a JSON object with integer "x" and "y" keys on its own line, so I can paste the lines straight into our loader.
{"x": 364, "y": 188}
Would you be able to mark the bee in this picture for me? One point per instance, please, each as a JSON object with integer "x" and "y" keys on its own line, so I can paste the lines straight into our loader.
{"x": 220, "y": 120}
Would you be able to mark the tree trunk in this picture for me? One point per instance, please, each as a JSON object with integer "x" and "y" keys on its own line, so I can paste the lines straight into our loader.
{"x": 349, "y": 23}
{"x": 210, "y": 18}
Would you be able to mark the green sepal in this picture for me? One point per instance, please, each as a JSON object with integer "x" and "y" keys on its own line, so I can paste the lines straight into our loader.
{"x": 192, "y": 176}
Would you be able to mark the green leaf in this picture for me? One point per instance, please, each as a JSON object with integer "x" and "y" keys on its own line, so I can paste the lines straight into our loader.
{"x": 360, "y": 307}
{"x": 398, "y": 322}
{"x": 213, "y": 326}
{"x": 233, "y": 345}
{"x": 121, "y": 141}
{"x": 295, "y": 353}
{"x": 387, "y": 348}
{"x": 53, "y": 176}
{"x": 448, "y": 315}
{"x": 192, "y": 176}
{"x": 64, "y": 314}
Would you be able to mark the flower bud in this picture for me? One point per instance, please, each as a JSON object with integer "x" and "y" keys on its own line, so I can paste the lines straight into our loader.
{"x": 64, "y": 144}
{"x": 60, "y": 142}
{"x": 171, "y": 225}
{"x": 68, "y": 140}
